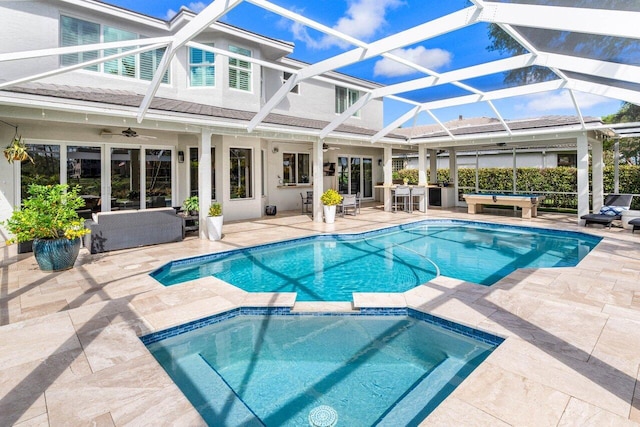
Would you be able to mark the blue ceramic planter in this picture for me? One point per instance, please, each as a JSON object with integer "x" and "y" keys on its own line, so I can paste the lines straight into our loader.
{"x": 56, "y": 254}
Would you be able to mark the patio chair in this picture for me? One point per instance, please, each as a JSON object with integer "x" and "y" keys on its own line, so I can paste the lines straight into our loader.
{"x": 307, "y": 202}
{"x": 402, "y": 194}
{"x": 614, "y": 204}
{"x": 349, "y": 203}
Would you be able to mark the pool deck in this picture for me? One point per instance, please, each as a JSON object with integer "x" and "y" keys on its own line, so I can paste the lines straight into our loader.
{"x": 70, "y": 353}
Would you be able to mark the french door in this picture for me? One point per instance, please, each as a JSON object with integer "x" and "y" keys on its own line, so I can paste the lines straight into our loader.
{"x": 355, "y": 175}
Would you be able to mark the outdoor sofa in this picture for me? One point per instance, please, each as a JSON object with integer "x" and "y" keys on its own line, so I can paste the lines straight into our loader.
{"x": 132, "y": 228}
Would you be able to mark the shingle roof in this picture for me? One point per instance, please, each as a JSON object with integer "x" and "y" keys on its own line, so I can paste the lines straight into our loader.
{"x": 476, "y": 126}
{"x": 132, "y": 99}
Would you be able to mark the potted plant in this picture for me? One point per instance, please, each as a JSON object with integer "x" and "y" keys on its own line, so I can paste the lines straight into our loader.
{"x": 191, "y": 205}
{"x": 214, "y": 222}
{"x": 17, "y": 151}
{"x": 49, "y": 218}
{"x": 330, "y": 199}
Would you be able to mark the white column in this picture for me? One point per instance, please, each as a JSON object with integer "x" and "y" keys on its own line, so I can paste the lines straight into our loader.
{"x": 433, "y": 166}
{"x": 616, "y": 167}
{"x": 597, "y": 175}
{"x": 204, "y": 179}
{"x": 583, "y": 176}
{"x": 453, "y": 174}
{"x": 318, "y": 179}
{"x": 422, "y": 165}
{"x": 388, "y": 178}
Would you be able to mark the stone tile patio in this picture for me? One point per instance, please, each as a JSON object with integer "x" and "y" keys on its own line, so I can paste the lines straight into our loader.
{"x": 71, "y": 353}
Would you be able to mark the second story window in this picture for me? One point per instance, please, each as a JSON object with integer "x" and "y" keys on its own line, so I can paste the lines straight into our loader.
{"x": 285, "y": 77}
{"x": 295, "y": 168}
{"x": 345, "y": 98}
{"x": 202, "y": 70}
{"x": 240, "y": 71}
{"x": 75, "y": 32}
{"x": 122, "y": 66}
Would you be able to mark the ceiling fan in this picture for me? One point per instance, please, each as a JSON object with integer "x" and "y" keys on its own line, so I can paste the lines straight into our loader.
{"x": 325, "y": 147}
{"x": 127, "y": 133}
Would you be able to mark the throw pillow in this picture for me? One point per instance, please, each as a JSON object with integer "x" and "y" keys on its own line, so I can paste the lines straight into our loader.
{"x": 612, "y": 210}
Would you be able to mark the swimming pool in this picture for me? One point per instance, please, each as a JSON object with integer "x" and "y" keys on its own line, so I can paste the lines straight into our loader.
{"x": 245, "y": 368}
{"x": 395, "y": 259}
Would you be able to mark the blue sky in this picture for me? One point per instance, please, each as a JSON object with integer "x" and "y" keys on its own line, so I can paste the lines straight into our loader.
{"x": 370, "y": 20}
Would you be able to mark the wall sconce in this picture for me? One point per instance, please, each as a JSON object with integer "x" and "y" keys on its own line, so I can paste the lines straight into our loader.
{"x": 180, "y": 156}
{"x": 274, "y": 150}
{"x": 379, "y": 162}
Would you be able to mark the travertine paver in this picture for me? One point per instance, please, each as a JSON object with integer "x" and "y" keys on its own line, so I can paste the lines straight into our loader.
{"x": 71, "y": 354}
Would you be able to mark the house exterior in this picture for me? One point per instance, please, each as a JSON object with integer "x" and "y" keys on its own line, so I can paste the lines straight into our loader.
{"x": 80, "y": 121}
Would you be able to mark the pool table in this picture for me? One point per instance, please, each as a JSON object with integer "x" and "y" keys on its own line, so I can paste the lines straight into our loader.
{"x": 527, "y": 202}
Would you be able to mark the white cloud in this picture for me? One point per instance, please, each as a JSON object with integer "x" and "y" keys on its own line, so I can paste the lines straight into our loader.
{"x": 362, "y": 20}
{"x": 428, "y": 58}
{"x": 545, "y": 102}
{"x": 196, "y": 6}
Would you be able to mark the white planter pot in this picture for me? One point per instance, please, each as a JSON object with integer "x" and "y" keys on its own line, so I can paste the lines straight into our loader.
{"x": 214, "y": 227}
{"x": 329, "y": 214}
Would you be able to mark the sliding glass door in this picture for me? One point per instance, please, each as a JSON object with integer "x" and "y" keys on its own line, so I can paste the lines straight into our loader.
{"x": 355, "y": 175}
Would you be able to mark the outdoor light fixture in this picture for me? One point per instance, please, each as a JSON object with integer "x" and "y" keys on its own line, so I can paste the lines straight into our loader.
{"x": 274, "y": 150}
{"x": 180, "y": 156}
{"x": 379, "y": 162}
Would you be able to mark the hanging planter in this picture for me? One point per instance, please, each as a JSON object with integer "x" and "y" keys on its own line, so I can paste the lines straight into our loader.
{"x": 17, "y": 151}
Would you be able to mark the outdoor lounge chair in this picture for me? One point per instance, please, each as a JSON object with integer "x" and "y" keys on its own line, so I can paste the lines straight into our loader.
{"x": 614, "y": 204}
{"x": 636, "y": 224}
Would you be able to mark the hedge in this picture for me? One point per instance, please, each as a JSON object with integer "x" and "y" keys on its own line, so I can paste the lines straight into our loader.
{"x": 537, "y": 180}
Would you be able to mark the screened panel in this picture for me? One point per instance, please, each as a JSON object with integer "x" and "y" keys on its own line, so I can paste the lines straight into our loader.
{"x": 630, "y": 5}
{"x": 605, "y": 48}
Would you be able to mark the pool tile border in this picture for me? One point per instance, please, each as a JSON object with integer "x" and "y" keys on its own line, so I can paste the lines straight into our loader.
{"x": 449, "y": 325}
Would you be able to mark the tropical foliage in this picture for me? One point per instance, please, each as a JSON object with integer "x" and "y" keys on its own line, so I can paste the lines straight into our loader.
{"x": 331, "y": 198}
{"x": 48, "y": 213}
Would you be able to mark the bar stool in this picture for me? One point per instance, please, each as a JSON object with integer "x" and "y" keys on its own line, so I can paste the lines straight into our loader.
{"x": 404, "y": 194}
{"x": 418, "y": 192}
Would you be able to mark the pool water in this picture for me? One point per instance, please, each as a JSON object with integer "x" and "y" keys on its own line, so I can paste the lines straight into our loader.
{"x": 332, "y": 267}
{"x": 274, "y": 370}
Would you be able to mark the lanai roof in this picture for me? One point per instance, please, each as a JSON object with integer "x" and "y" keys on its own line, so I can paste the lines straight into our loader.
{"x": 602, "y": 59}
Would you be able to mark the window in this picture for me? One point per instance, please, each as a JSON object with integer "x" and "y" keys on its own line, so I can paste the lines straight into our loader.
{"x": 158, "y": 178}
{"x": 285, "y": 77}
{"x": 295, "y": 168}
{"x": 202, "y": 70}
{"x": 240, "y": 175}
{"x": 193, "y": 172}
{"x": 345, "y": 98}
{"x": 75, "y": 32}
{"x": 569, "y": 160}
{"x": 122, "y": 66}
{"x": 149, "y": 62}
{"x": 397, "y": 165}
{"x": 239, "y": 70}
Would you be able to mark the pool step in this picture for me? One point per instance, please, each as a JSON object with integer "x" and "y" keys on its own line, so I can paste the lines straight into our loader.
{"x": 426, "y": 394}
{"x": 211, "y": 395}
{"x": 323, "y": 307}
